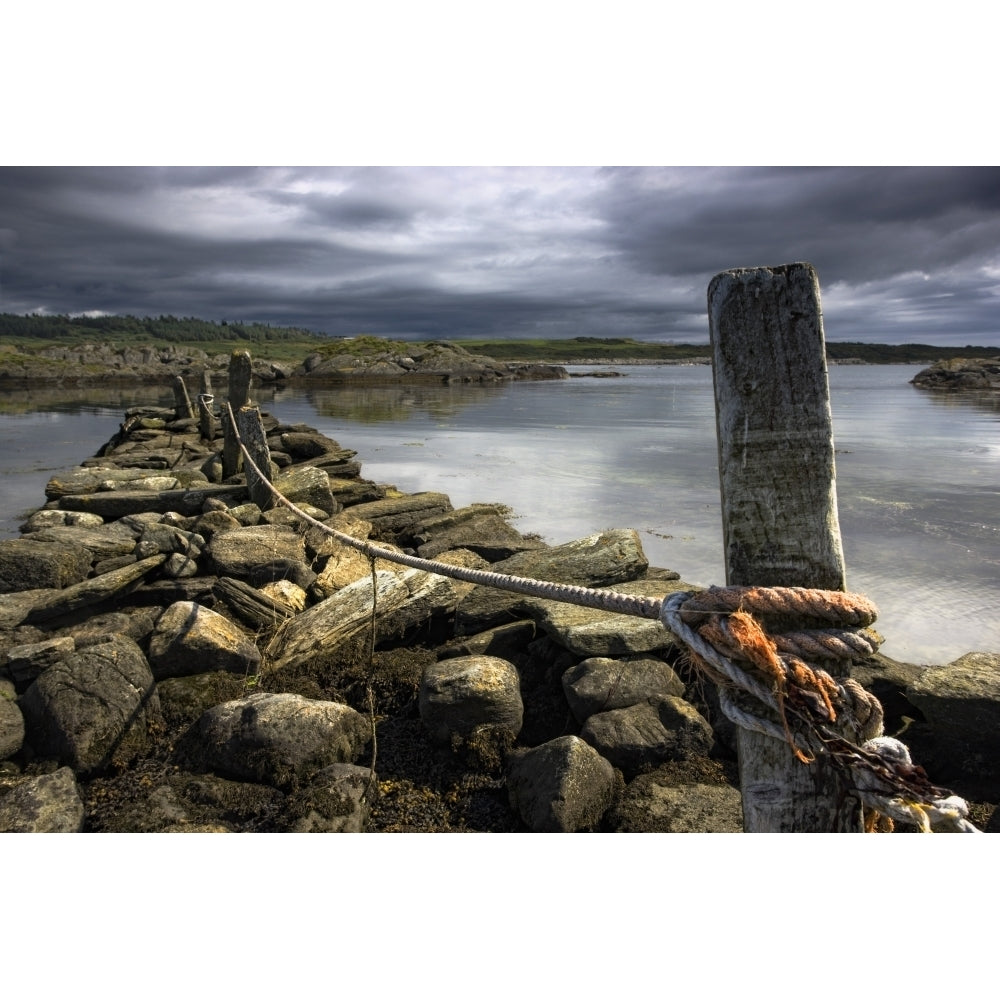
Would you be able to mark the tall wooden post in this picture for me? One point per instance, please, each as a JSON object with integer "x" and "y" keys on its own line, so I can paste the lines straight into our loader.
{"x": 779, "y": 501}
{"x": 252, "y": 432}
{"x": 240, "y": 370}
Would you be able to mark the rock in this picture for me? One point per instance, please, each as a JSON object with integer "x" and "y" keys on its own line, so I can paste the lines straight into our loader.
{"x": 93, "y": 708}
{"x": 589, "y": 632}
{"x": 118, "y": 504}
{"x": 11, "y": 722}
{"x": 59, "y": 518}
{"x": 961, "y": 701}
{"x": 216, "y": 521}
{"x": 191, "y": 639}
{"x": 48, "y": 803}
{"x": 647, "y": 734}
{"x": 30, "y": 564}
{"x": 350, "y": 491}
{"x": 108, "y": 541}
{"x": 658, "y": 803}
{"x": 280, "y": 739}
{"x": 169, "y": 539}
{"x": 605, "y": 559}
{"x": 136, "y": 625}
{"x": 600, "y": 684}
{"x": 396, "y": 516}
{"x": 460, "y": 695}
{"x": 286, "y": 592}
{"x": 184, "y": 699}
{"x": 337, "y": 799}
{"x": 960, "y": 374}
{"x": 504, "y": 639}
{"x": 25, "y": 663}
{"x": 561, "y": 786}
{"x": 241, "y": 551}
{"x": 345, "y": 565}
{"x": 479, "y": 528}
{"x": 306, "y": 485}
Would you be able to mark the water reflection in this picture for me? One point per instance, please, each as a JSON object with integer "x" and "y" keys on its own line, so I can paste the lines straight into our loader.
{"x": 918, "y": 473}
{"x": 391, "y": 403}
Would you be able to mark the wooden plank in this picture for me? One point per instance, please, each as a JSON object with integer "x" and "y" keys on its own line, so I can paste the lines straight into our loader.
{"x": 779, "y": 501}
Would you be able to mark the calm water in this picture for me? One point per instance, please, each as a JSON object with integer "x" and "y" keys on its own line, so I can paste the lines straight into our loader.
{"x": 918, "y": 474}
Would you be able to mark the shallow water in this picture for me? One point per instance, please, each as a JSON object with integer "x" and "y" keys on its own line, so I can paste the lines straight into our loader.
{"x": 918, "y": 474}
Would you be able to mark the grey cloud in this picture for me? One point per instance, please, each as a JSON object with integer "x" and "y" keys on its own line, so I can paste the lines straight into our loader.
{"x": 903, "y": 254}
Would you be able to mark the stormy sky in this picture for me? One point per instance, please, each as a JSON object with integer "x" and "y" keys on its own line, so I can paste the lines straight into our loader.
{"x": 904, "y": 254}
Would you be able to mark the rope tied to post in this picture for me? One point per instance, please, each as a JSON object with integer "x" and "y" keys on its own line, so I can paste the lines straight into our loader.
{"x": 816, "y": 713}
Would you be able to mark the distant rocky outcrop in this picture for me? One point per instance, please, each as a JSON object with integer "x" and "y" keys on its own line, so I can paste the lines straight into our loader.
{"x": 976, "y": 374}
{"x": 369, "y": 358}
{"x": 436, "y": 360}
{"x": 87, "y": 363}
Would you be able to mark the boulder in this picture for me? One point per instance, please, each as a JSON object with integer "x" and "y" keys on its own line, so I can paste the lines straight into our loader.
{"x": 647, "y": 734}
{"x": 191, "y": 639}
{"x": 480, "y": 528}
{"x": 280, "y": 739}
{"x": 30, "y": 564}
{"x": 961, "y": 701}
{"x": 605, "y": 559}
{"x": 600, "y": 684}
{"x": 11, "y": 721}
{"x": 457, "y": 696}
{"x": 337, "y": 799}
{"x": 977, "y": 374}
{"x": 658, "y": 802}
{"x": 48, "y": 803}
{"x": 25, "y": 663}
{"x": 395, "y": 516}
{"x": 561, "y": 786}
{"x": 241, "y": 551}
{"x": 306, "y": 485}
{"x": 93, "y": 708}
{"x": 46, "y": 518}
{"x": 589, "y": 632}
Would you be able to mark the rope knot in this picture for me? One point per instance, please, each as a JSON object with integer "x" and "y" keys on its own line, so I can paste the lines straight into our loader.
{"x": 726, "y": 641}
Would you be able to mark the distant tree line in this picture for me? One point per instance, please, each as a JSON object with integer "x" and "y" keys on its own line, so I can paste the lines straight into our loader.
{"x": 145, "y": 328}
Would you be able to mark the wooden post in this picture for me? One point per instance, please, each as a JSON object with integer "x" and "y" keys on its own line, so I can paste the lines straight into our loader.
{"x": 183, "y": 410}
{"x": 240, "y": 371}
{"x": 251, "y": 429}
{"x": 239, "y": 396}
{"x": 779, "y": 501}
{"x": 206, "y": 417}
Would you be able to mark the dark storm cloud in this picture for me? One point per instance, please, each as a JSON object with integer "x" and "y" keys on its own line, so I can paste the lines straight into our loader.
{"x": 903, "y": 254}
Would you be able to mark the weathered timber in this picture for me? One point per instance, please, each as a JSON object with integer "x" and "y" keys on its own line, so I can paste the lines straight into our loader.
{"x": 183, "y": 410}
{"x": 253, "y": 607}
{"x": 779, "y": 502}
{"x": 251, "y": 429}
{"x": 206, "y": 417}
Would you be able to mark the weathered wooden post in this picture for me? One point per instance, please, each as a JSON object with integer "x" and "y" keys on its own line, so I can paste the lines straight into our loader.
{"x": 239, "y": 396}
{"x": 206, "y": 416}
{"x": 183, "y": 410}
{"x": 779, "y": 501}
{"x": 251, "y": 429}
